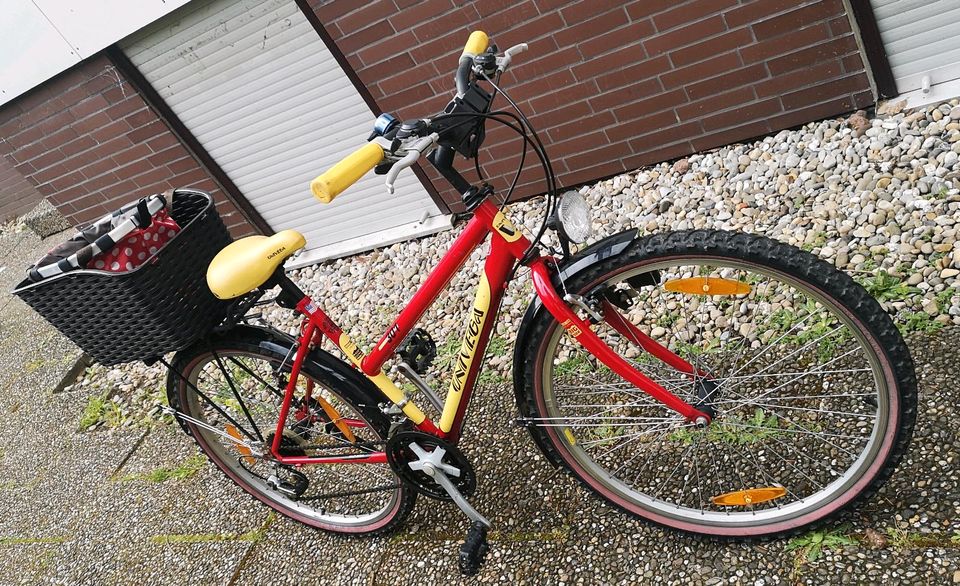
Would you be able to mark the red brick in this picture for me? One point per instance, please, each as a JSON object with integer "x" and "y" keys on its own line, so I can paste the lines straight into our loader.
{"x": 782, "y": 84}
{"x": 853, "y": 63}
{"x": 89, "y": 106}
{"x": 629, "y": 94}
{"x": 561, "y": 60}
{"x": 577, "y": 12}
{"x": 406, "y": 79}
{"x": 581, "y": 126}
{"x": 666, "y": 136}
{"x": 79, "y": 145}
{"x": 741, "y": 114}
{"x": 464, "y": 16}
{"x": 595, "y": 26}
{"x": 715, "y": 103}
{"x": 820, "y": 111}
{"x": 58, "y": 138}
{"x": 497, "y": 25}
{"x": 491, "y": 7}
{"x": 385, "y": 69}
{"x": 714, "y": 46}
{"x": 746, "y": 76}
{"x": 686, "y": 35}
{"x": 615, "y": 39}
{"x": 798, "y": 18}
{"x": 559, "y": 99}
{"x": 329, "y": 11}
{"x": 372, "y": 12}
{"x": 419, "y": 13}
{"x": 825, "y": 91}
{"x": 718, "y": 64}
{"x": 785, "y": 43}
{"x": 756, "y": 11}
{"x": 541, "y": 86}
{"x": 604, "y": 154}
{"x": 806, "y": 57}
{"x": 610, "y": 61}
{"x": 147, "y": 131}
{"x": 640, "y": 126}
{"x": 135, "y": 153}
{"x": 688, "y": 12}
{"x": 840, "y": 25}
{"x": 644, "y": 8}
{"x": 377, "y": 51}
{"x": 639, "y": 108}
{"x": 360, "y": 39}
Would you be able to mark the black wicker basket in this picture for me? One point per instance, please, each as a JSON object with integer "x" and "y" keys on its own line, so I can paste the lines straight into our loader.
{"x": 161, "y": 306}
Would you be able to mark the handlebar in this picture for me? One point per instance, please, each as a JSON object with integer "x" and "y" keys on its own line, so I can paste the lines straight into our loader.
{"x": 348, "y": 171}
{"x": 345, "y": 173}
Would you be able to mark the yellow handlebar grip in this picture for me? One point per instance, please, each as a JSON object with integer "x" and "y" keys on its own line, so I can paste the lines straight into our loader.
{"x": 346, "y": 172}
{"x": 476, "y": 44}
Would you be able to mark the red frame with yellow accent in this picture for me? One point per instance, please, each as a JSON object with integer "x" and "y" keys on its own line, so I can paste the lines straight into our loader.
{"x": 507, "y": 246}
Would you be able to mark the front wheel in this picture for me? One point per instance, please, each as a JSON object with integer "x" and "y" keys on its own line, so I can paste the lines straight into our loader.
{"x": 812, "y": 387}
{"x": 231, "y": 387}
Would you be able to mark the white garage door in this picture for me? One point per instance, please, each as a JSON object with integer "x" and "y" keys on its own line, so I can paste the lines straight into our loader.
{"x": 922, "y": 39}
{"x": 259, "y": 89}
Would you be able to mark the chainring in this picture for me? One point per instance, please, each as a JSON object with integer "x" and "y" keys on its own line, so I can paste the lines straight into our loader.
{"x": 399, "y": 456}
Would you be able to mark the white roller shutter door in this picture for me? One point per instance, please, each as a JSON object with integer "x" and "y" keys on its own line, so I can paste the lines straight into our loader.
{"x": 261, "y": 92}
{"x": 921, "y": 38}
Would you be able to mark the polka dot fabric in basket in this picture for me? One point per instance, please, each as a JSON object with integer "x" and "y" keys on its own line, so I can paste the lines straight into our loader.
{"x": 138, "y": 246}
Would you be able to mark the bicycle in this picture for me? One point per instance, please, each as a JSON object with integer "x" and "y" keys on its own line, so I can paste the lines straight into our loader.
{"x": 713, "y": 382}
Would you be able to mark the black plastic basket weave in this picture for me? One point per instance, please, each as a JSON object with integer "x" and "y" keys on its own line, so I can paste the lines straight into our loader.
{"x": 161, "y": 306}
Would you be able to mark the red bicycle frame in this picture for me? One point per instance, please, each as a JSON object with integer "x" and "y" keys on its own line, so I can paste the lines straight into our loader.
{"x": 508, "y": 245}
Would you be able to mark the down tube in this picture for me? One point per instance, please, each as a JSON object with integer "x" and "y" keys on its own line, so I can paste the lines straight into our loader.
{"x": 480, "y": 322}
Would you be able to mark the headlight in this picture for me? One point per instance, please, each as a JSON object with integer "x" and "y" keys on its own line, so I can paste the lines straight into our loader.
{"x": 574, "y": 215}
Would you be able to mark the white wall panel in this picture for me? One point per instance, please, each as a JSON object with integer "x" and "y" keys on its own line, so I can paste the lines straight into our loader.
{"x": 922, "y": 38}
{"x": 41, "y": 38}
{"x": 256, "y": 85}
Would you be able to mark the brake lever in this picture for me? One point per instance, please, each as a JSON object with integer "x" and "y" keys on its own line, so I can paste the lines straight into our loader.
{"x": 504, "y": 62}
{"x": 413, "y": 153}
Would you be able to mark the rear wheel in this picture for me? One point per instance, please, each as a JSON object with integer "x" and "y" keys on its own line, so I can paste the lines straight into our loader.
{"x": 232, "y": 388}
{"x": 811, "y": 383}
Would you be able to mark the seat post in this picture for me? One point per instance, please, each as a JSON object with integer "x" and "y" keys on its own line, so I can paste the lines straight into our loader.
{"x": 290, "y": 294}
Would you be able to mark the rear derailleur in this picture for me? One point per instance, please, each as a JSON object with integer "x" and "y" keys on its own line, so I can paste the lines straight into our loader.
{"x": 439, "y": 470}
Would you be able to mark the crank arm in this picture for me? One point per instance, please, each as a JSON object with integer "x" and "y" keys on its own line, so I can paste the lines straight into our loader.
{"x": 461, "y": 502}
{"x": 581, "y": 332}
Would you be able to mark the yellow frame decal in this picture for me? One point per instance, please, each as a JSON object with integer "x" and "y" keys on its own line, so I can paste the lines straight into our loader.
{"x": 386, "y": 386}
{"x": 467, "y": 354}
{"x": 461, "y": 368}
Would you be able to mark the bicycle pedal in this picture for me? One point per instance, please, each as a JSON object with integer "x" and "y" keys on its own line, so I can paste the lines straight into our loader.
{"x": 474, "y": 550}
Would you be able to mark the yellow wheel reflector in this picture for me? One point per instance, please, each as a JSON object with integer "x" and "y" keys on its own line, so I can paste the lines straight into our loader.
{"x": 570, "y": 438}
{"x": 707, "y": 286}
{"x": 750, "y": 496}
{"x": 244, "y": 450}
{"x": 337, "y": 420}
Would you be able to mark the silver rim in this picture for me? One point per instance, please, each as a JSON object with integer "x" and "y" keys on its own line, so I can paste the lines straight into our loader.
{"x": 800, "y": 394}
{"x": 258, "y": 388}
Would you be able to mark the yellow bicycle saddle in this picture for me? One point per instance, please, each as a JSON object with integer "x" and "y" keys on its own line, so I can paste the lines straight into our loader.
{"x": 247, "y": 263}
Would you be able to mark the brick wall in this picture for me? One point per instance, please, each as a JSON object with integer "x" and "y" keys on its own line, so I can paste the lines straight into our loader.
{"x": 614, "y": 85}
{"x": 17, "y": 196}
{"x": 87, "y": 140}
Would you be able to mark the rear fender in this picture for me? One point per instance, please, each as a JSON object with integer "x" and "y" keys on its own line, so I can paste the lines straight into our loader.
{"x": 329, "y": 370}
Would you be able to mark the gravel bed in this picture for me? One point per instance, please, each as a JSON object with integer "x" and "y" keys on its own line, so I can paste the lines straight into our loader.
{"x": 872, "y": 196}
